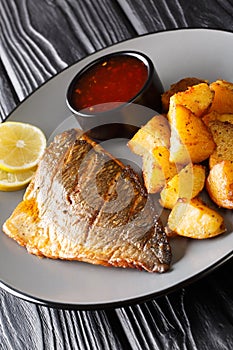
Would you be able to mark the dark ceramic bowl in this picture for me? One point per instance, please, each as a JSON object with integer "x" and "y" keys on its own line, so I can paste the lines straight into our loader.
{"x": 115, "y": 94}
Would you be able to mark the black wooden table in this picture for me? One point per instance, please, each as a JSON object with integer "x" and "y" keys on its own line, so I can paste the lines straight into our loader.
{"x": 39, "y": 39}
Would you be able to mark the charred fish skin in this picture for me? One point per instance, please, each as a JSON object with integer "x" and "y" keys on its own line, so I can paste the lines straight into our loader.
{"x": 83, "y": 204}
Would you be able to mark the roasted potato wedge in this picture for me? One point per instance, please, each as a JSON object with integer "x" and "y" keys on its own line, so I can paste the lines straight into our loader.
{"x": 155, "y": 133}
{"x": 194, "y": 219}
{"x": 191, "y": 141}
{"x": 199, "y": 126}
{"x": 223, "y": 96}
{"x": 219, "y": 184}
{"x": 197, "y": 99}
{"x": 157, "y": 169}
{"x": 185, "y": 185}
{"x": 226, "y": 117}
{"x": 179, "y": 86}
{"x": 223, "y": 135}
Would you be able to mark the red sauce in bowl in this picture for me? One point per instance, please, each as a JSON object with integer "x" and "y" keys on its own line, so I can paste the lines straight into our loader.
{"x": 109, "y": 84}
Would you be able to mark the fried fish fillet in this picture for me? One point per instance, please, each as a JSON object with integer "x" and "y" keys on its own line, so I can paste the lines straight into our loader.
{"x": 83, "y": 204}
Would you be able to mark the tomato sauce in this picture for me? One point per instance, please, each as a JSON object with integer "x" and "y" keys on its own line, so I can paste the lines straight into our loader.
{"x": 109, "y": 84}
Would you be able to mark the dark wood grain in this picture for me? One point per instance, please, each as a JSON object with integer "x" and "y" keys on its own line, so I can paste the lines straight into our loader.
{"x": 164, "y": 15}
{"x": 8, "y": 100}
{"x": 185, "y": 319}
{"x": 39, "y": 39}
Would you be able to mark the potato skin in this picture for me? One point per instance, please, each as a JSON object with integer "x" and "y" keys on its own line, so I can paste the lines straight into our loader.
{"x": 212, "y": 116}
{"x": 223, "y": 97}
{"x": 194, "y": 219}
{"x": 197, "y": 99}
{"x": 223, "y": 135}
{"x": 219, "y": 184}
{"x": 179, "y": 86}
{"x": 198, "y": 127}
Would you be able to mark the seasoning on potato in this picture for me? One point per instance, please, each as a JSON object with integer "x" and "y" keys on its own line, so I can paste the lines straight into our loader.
{"x": 199, "y": 128}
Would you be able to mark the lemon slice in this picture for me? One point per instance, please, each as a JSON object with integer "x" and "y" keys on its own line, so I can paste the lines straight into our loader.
{"x": 21, "y": 146}
{"x": 15, "y": 181}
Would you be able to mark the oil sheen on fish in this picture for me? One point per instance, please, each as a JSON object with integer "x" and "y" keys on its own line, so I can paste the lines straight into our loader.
{"x": 83, "y": 204}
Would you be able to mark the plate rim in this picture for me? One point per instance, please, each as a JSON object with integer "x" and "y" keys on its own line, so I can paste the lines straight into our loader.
{"x": 133, "y": 300}
{"x": 209, "y": 29}
{"x": 116, "y": 304}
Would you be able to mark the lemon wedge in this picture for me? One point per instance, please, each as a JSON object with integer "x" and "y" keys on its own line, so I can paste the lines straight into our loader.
{"x": 15, "y": 181}
{"x": 21, "y": 146}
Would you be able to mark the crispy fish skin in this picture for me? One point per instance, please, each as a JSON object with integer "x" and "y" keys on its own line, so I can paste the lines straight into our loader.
{"x": 85, "y": 205}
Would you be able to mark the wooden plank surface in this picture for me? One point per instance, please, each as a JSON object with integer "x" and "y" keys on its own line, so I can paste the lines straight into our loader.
{"x": 39, "y": 38}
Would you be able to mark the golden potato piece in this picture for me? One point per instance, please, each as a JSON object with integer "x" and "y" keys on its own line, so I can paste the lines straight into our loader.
{"x": 155, "y": 133}
{"x": 179, "y": 86}
{"x": 223, "y": 96}
{"x": 224, "y": 83}
{"x": 194, "y": 219}
{"x": 191, "y": 141}
{"x": 157, "y": 169}
{"x": 223, "y": 136}
{"x": 187, "y": 184}
{"x": 197, "y": 99}
{"x": 226, "y": 117}
{"x": 219, "y": 184}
